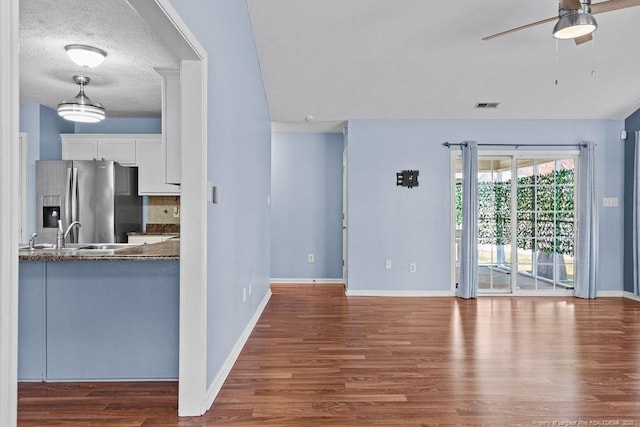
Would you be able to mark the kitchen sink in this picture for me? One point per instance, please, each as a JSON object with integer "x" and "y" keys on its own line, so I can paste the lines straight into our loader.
{"x": 105, "y": 246}
{"x": 37, "y": 246}
{"x": 75, "y": 247}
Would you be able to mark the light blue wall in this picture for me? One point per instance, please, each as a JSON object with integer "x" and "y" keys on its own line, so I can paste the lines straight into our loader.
{"x": 51, "y": 126}
{"x": 414, "y": 225}
{"x": 238, "y": 153}
{"x": 122, "y": 125}
{"x": 30, "y": 123}
{"x": 306, "y": 205}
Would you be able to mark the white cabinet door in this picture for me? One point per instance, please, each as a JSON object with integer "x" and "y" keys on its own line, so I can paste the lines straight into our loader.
{"x": 171, "y": 107}
{"x": 79, "y": 148}
{"x": 151, "y": 174}
{"x": 121, "y": 150}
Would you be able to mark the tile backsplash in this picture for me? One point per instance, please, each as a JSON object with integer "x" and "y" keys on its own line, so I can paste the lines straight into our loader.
{"x": 162, "y": 210}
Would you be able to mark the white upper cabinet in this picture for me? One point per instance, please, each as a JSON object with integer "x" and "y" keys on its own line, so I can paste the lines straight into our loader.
{"x": 119, "y": 148}
{"x": 171, "y": 123}
{"x": 151, "y": 178}
{"x": 76, "y": 147}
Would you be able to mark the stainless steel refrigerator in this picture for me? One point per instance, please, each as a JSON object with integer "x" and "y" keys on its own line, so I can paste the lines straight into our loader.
{"x": 101, "y": 195}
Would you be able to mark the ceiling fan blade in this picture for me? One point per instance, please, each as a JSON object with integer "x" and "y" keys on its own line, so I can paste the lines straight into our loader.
{"x": 611, "y": 5}
{"x": 524, "y": 27}
{"x": 570, "y": 4}
{"x": 583, "y": 39}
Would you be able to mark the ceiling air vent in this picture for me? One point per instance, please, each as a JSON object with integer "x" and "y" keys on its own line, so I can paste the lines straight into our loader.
{"x": 487, "y": 105}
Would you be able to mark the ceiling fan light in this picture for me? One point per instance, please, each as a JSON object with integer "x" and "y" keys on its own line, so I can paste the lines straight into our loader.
{"x": 574, "y": 24}
{"x": 81, "y": 108}
{"x": 85, "y": 56}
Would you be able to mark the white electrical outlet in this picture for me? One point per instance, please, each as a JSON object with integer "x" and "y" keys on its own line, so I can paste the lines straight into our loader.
{"x": 387, "y": 264}
{"x": 312, "y": 258}
{"x": 244, "y": 294}
{"x": 176, "y": 212}
{"x": 250, "y": 289}
{"x": 610, "y": 202}
{"x": 412, "y": 268}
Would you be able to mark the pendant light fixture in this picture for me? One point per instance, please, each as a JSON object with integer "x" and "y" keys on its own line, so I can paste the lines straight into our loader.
{"x": 85, "y": 56}
{"x": 81, "y": 108}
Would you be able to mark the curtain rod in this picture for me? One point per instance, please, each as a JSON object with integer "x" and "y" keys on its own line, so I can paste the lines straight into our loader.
{"x": 464, "y": 144}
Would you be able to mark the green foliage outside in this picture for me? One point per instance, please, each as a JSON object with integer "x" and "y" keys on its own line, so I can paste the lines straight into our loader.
{"x": 545, "y": 219}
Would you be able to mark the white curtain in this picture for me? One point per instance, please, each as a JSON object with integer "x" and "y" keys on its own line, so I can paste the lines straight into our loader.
{"x": 468, "y": 275}
{"x": 636, "y": 218}
{"x": 587, "y": 245}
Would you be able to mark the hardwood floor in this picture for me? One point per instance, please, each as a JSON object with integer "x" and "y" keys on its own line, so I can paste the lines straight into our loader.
{"x": 318, "y": 358}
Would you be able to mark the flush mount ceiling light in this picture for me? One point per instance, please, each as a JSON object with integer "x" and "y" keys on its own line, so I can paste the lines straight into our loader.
{"x": 81, "y": 108}
{"x": 573, "y": 24}
{"x": 85, "y": 56}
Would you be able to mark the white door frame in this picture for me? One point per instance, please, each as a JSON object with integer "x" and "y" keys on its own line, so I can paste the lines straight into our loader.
{"x": 9, "y": 183}
{"x": 168, "y": 24}
{"x": 345, "y": 230}
{"x": 24, "y": 166}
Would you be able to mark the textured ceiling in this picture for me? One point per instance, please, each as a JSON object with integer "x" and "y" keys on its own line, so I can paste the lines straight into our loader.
{"x": 357, "y": 59}
{"x": 125, "y": 83}
{"x": 414, "y": 59}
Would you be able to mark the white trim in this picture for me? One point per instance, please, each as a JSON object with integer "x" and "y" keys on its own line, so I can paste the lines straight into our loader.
{"x": 193, "y": 229}
{"x": 403, "y": 294}
{"x": 569, "y": 293}
{"x": 24, "y": 166}
{"x": 168, "y": 24}
{"x": 628, "y": 295}
{"x": 223, "y": 373}
{"x": 345, "y": 212}
{"x": 336, "y": 281}
{"x": 610, "y": 294}
{"x": 100, "y": 380}
{"x": 9, "y": 182}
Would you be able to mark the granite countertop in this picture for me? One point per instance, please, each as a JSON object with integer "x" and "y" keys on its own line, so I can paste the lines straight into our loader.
{"x": 154, "y": 228}
{"x": 167, "y": 250}
{"x": 146, "y": 233}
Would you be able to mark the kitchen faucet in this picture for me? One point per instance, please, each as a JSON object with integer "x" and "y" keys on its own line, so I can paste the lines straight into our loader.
{"x": 62, "y": 235}
{"x": 32, "y": 241}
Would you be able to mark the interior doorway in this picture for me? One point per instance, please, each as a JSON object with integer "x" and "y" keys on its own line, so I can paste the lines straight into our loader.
{"x": 526, "y": 221}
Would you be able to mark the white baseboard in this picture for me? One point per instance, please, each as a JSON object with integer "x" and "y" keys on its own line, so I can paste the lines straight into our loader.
{"x": 610, "y": 294}
{"x": 389, "y": 293}
{"x": 631, "y": 295}
{"x": 307, "y": 281}
{"x": 220, "y": 378}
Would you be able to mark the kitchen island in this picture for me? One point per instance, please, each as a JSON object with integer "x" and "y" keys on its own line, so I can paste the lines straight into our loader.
{"x": 99, "y": 314}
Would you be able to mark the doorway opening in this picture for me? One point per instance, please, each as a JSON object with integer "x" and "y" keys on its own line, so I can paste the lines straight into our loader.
{"x": 526, "y": 221}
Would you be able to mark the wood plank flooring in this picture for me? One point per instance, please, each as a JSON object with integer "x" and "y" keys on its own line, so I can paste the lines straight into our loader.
{"x": 319, "y": 358}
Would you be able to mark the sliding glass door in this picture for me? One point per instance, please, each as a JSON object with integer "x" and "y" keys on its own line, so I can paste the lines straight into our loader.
{"x": 526, "y": 222}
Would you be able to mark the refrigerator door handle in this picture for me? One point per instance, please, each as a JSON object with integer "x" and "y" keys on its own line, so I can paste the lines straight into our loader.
{"x": 74, "y": 204}
{"x": 67, "y": 198}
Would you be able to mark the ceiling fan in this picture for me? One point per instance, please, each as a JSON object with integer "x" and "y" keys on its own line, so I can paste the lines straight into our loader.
{"x": 575, "y": 19}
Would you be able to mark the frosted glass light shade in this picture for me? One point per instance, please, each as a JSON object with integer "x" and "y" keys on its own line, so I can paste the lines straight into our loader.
{"x": 81, "y": 113}
{"x": 81, "y": 108}
{"x": 85, "y": 56}
{"x": 574, "y": 24}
